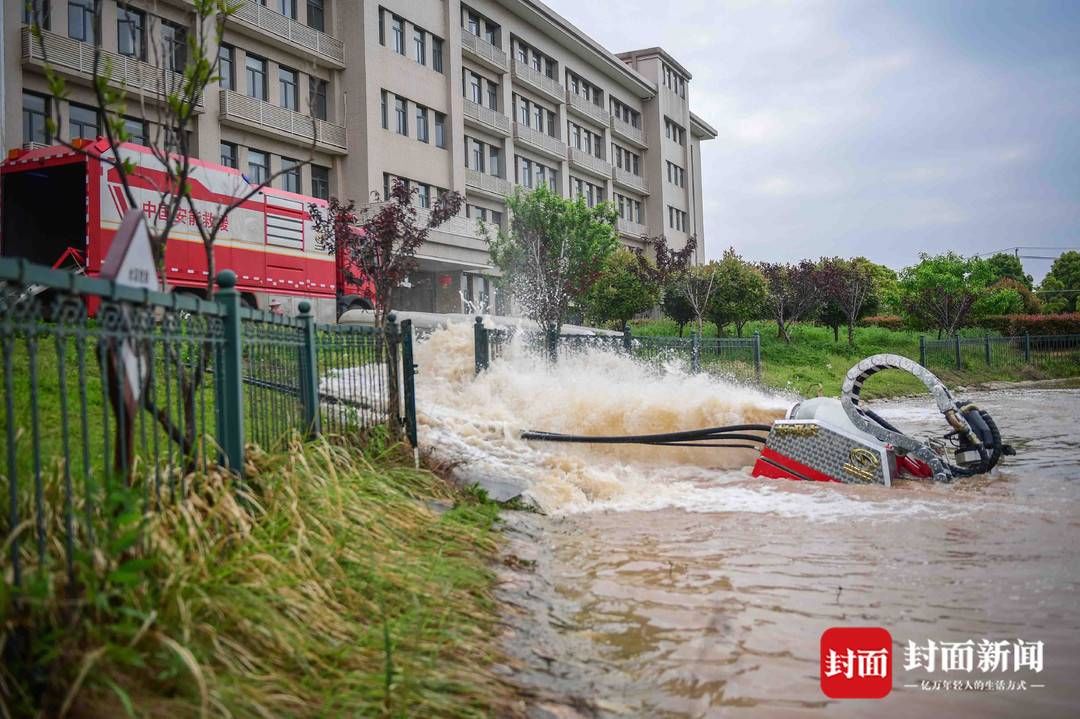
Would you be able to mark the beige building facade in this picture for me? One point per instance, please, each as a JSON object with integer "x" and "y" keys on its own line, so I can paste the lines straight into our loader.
{"x": 474, "y": 96}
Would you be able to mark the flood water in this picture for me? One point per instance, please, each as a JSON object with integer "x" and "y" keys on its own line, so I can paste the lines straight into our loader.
{"x": 669, "y": 582}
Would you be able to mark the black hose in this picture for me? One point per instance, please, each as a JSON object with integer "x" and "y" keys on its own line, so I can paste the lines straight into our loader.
{"x": 718, "y": 433}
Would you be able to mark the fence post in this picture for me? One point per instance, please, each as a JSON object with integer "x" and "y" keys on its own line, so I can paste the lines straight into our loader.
{"x": 229, "y": 377}
{"x": 626, "y": 341}
{"x": 409, "y": 379}
{"x": 481, "y": 346}
{"x": 309, "y": 373}
{"x": 695, "y": 352}
{"x": 986, "y": 348}
{"x": 393, "y": 337}
{"x": 922, "y": 350}
{"x": 1027, "y": 348}
{"x": 551, "y": 339}
{"x": 959, "y": 363}
{"x": 757, "y": 356}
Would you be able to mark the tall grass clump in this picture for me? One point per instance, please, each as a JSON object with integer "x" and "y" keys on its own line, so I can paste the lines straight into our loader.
{"x": 330, "y": 582}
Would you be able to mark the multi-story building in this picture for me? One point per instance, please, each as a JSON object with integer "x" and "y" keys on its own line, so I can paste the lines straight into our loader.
{"x": 475, "y": 96}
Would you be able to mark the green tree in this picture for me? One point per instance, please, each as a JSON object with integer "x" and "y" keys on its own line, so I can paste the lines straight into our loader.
{"x": 553, "y": 251}
{"x": 739, "y": 293}
{"x": 1004, "y": 265}
{"x": 946, "y": 292}
{"x": 1031, "y": 304}
{"x": 620, "y": 292}
{"x": 676, "y": 305}
{"x": 792, "y": 293}
{"x": 1060, "y": 288}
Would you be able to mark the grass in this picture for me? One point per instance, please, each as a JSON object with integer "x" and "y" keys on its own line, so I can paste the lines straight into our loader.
{"x": 331, "y": 583}
{"x": 813, "y": 364}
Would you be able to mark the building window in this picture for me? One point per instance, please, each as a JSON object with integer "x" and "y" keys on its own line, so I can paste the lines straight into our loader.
{"x": 477, "y": 154}
{"x": 226, "y": 67}
{"x": 285, "y": 7}
{"x": 34, "y": 113}
{"x": 493, "y": 95}
{"x": 288, "y": 80}
{"x": 82, "y": 24}
{"x": 35, "y": 11}
{"x": 397, "y": 34}
{"x": 320, "y": 182}
{"x": 316, "y": 15}
{"x": 436, "y": 53}
{"x": 256, "y": 77}
{"x": 258, "y": 166}
{"x": 82, "y": 122}
{"x": 440, "y": 130}
{"x": 472, "y": 21}
{"x": 420, "y": 45}
{"x": 135, "y": 130}
{"x": 423, "y": 194}
{"x": 290, "y": 175}
{"x": 385, "y": 110}
{"x": 400, "y": 110}
{"x": 174, "y": 46}
{"x": 228, "y": 154}
{"x": 421, "y": 123}
{"x": 319, "y": 106}
{"x": 475, "y": 92}
{"x": 495, "y": 156}
{"x": 131, "y": 33}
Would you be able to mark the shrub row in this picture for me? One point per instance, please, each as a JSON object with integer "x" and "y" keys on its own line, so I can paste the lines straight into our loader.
{"x": 889, "y": 322}
{"x": 1060, "y": 324}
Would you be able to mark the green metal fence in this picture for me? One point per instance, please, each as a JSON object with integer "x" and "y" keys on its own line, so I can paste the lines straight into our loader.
{"x": 1050, "y": 352}
{"x": 737, "y": 357}
{"x": 107, "y": 387}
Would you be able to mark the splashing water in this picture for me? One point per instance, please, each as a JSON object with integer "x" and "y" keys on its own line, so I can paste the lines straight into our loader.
{"x": 471, "y": 425}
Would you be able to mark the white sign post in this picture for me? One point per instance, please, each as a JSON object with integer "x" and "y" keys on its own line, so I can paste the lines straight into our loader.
{"x": 130, "y": 262}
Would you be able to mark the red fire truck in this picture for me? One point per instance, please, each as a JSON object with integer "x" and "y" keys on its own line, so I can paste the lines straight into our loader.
{"x": 60, "y": 207}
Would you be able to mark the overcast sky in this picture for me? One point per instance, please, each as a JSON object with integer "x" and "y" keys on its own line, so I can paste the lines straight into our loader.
{"x": 873, "y": 128}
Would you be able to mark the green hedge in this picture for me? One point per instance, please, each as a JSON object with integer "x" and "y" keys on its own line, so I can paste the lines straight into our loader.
{"x": 1061, "y": 324}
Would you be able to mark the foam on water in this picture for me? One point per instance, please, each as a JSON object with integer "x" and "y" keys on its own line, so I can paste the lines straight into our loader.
{"x": 471, "y": 426}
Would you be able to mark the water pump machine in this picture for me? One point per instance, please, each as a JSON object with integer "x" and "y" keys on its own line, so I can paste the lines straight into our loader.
{"x": 839, "y": 440}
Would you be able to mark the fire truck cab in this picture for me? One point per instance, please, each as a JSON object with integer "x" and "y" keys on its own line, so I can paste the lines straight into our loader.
{"x": 61, "y": 207}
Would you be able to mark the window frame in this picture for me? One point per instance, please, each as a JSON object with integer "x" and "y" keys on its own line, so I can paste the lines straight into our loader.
{"x": 46, "y": 137}
{"x": 289, "y": 85}
{"x": 253, "y": 177}
{"x": 261, "y": 70}
{"x": 123, "y": 17}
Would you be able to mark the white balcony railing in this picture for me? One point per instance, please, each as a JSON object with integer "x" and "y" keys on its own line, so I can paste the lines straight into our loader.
{"x": 460, "y": 230}
{"x": 538, "y": 80}
{"x": 486, "y": 117}
{"x": 629, "y": 180}
{"x": 627, "y": 131}
{"x": 629, "y": 227}
{"x": 487, "y": 183}
{"x": 588, "y": 108}
{"x": 280, "y": 121}
{"x": 258, "y": 17}
{"x": 484, "y": 51}
{"x": 590, "y": 163}
{"x": 540, "y": 141}
{"x": 63, "y": 53}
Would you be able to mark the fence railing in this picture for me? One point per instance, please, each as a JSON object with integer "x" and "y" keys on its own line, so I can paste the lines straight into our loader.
{"x": 973, "y": 353}
{"x": 732, "y": 356}
{"x": 108, "y": 387}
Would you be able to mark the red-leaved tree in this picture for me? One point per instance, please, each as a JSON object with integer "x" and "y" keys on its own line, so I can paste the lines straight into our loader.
{"x": 380, "y": 242}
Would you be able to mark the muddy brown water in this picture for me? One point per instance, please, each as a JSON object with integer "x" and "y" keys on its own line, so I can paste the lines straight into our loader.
{"x": 671, "y": 583}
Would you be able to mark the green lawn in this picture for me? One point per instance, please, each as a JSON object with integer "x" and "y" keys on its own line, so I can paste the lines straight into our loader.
{"x": 813, "y": 364}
